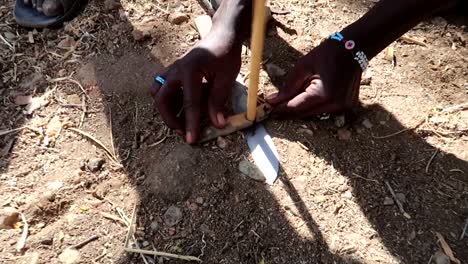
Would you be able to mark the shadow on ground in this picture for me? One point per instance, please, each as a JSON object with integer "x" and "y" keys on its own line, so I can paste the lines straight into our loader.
{"x": 241, "y": 221}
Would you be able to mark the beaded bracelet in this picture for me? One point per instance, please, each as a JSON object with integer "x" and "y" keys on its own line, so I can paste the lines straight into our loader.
{"x": 358, "y": 55}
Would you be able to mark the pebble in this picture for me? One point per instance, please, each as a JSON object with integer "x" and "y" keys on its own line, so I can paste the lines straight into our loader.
{"x": 69, "y": 256}
{"x": 199, "y": 200}
{"x": 139, "y": 35}
{"x": 48, "y": 241}
{"x": 8, "y": 217}
{"x": 154, "y": 226}
{"x": 95, "y": 164}
{"x": 145, "y": 243}
{"x": 172, "y": 216}
{"x": 178, "y": 18}
{"x": 306, "y": 131}
{"x": 221, "y": 143}
{"x": 440, "y": 258}
{"x": 367, "y": 123}
{"x": 340, "y": 121}
{"x": 388, "y": 201}
{"x": 73, "y": 99}
{"x": 251, "y": 170}
{"x": 344, "y": 134}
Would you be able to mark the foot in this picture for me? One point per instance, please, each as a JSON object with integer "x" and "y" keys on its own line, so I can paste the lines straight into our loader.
{"x": 47, "y": 7}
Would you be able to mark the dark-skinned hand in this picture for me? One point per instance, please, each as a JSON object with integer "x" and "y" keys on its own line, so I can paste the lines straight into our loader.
{"x": 183, "y": 98}
{"x": 326, "y": 80}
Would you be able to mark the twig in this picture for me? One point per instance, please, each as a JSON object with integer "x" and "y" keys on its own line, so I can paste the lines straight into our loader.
{"x": 6, "y": 42}
{"x": 112, "y": 217}
{"x": 401, "y": 131}
{"x": 464, "y": 229}
{"x": 455, "y": 108}
{"x": 83, "y": 107}
{"x": 157, "y": 143}
{"x": 99, "y": 143}
{"x": 9, "y": 131}
{"x": 85, "y": 242}
{"x": 162, "y": 254}
{"x": 364, "y": 178}
{"x": 447, "y": 250}
{"x": 70, "y": 80}
{"x": 24, "y": 235}
{"x": 431, "y": 159}
{"x": 104, "y": 253}
{"x": 111, "y": 133}
{"x": 398, "y": 202}
{"x": 412, "y": 41}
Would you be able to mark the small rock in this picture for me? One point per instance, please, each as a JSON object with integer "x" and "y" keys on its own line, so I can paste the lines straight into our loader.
{"x": 199, "y": 200}
{"x": 172, "y": 231}
{"x": 9, "y": 35}
{"x": 306, "y": 131}
{"x": 388, "y": 201}
{"x": 340, "y": 121}
{"x": 367, "y": 123}
{"x": 82, "y": 165}
{"x": 440, "y": 258}
{"x": 366, "y": 81}
{"x": 193, "y": 207}
{"x": 48, "y": 241}
{"x": 154, "y": 226}
{"x": 401, "y": 197}
{"x": 221, "y": 143}
{"x": 9, "y": 216}
{"x": 95, "y": 164}
{"x": 251, "y": 170}
{"x": 275, "y": 70}
{"x": 69, "y": 256}
{"x": 23, "y": 99}
{"x": 172, "y": 216}
{"x": 73, "y": 99}
{"x": 344, "y": 134}
{"x": 145, "y": 243}
{"x": 140, "y": 35}
{"x": 178, "y": 18}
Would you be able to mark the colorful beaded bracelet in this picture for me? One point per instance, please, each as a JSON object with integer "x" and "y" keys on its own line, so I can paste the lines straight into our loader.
{"x": 359, "y": 56}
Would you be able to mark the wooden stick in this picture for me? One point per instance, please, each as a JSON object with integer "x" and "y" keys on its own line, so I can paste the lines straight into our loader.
{"x": 398, "y": 202}
{"x": 258, "y": 39}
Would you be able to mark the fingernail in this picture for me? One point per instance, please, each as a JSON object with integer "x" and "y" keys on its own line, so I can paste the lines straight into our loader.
{"x": 272, "y": 96}
{"x": 189, "y": 137}
{"x": 221, "y": 120}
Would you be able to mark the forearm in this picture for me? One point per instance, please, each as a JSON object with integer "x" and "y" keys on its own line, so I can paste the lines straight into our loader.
{"x": 388, "y": 20}
{"x": 234, "y": 17}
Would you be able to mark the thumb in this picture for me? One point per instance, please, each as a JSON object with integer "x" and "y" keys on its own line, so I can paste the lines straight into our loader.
{"x": 294, "y": 84}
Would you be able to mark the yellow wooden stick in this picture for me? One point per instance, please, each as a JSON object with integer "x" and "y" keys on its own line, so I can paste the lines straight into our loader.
{"x": 257, "y": 43}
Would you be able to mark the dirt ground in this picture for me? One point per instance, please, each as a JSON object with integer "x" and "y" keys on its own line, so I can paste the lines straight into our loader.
{"x": 331, "y": 203}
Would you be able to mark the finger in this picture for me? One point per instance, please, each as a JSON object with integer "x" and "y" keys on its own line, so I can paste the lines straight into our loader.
{"x": 294, "y": 84}
{"x": 219, "y": 96}
{"x": 312, "y": 97}
{"x": 192, "y": 103}
{"x": 169, "y": 103}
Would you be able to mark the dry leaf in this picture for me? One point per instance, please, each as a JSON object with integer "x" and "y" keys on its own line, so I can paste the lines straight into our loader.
{"x": 53, "y": 128}
{"x": 23, "y": 99}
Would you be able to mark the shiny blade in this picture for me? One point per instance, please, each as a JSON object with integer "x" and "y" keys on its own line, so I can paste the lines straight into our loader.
{"x": 261, "y": 145}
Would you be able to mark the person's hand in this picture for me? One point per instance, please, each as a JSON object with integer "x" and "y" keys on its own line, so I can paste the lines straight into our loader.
{"x": 180, "y": 101}
{"x": 326, "y": 80}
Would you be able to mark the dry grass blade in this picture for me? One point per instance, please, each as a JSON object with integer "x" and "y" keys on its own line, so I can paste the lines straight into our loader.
{"x": 398, "y": 202}
{"x": 113, "y": 217}
{"x": 464, "y": 229}
{"x": 455, "y": 108}
{"x": 7, "y": 43}
{"x": 163, "y": 254}
{"x": 431, "y": 159}
{"x": 401, "y": 131}
{"x": 9, "y": 131}
{"x": 411, "y": 40}
{"x": 447, "y": 250}
{"x": 99, "y": 143}
{"x": 24, "y": 235}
